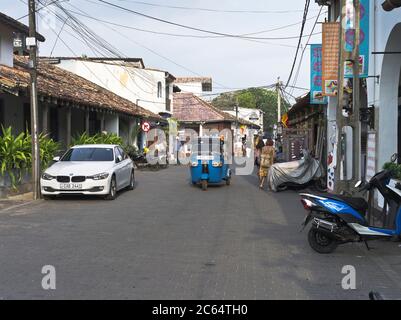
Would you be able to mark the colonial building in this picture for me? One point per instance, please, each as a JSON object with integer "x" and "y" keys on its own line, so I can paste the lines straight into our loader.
{"x": 192, "y": 112}
{"x": 68, "y": 103}
{"x": 151, "y": 89}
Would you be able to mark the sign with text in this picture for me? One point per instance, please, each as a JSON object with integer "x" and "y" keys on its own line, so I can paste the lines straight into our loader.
{"x": 316, "y": 90}
{"x": 330, "y": 58}
{"x": 363, "y": 37}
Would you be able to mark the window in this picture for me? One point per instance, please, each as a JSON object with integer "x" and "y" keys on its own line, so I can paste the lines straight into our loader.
{"x": 123, "y": 154}
{"x": 159, "y": 90}
{"x": 206, "y": 87}
{"x": 89, "y": 154}
{"x": 117, "y": 153}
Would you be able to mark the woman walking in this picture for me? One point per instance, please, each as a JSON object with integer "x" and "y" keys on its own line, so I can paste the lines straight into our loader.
{"x": 266, "y": 160}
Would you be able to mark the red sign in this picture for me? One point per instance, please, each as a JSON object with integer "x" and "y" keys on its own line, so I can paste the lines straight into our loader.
{"x": 145, "y": 126}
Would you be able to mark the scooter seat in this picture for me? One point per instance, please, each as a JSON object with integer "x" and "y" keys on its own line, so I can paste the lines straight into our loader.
{"x": 359, "y": 204}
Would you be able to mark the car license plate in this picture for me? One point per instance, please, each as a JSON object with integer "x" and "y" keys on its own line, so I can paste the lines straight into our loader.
{"x": 70, "y": 186}
{"x": 205, "y": 158}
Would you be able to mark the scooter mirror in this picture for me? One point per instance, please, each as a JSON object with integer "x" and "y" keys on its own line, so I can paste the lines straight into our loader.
{"x": 358, "y": 184}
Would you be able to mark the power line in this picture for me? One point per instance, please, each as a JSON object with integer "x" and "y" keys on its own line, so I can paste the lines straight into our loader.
{"x": 307, "y": 3}
{"x": 40, "y": 8}
{"x": 190, "y": 35}
{"x": 194, "y": 28}
{"x": 162, "y": 56}
{"x": 303, "y": 51}
{"x": 213, "y": 10}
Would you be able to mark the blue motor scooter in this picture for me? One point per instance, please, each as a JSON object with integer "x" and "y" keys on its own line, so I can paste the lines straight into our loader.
{"x": 338, "y": 219}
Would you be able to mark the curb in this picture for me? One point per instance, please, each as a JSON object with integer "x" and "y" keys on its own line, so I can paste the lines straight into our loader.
{"x": 17, "y": 206}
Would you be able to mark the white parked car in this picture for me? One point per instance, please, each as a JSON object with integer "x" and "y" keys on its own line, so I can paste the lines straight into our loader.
{"x": 89, "y": 170}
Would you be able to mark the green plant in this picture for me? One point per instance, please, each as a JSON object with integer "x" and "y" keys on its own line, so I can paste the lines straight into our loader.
{"x": 16, "y": 154}
{"x": 394, "y": 168}
{"x": 48, "y": 149}
{"x": 131, "y": 151}
{"x": 99, "y": 138}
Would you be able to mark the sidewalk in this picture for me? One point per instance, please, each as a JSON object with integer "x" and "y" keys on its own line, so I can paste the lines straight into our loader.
{"x": 15, "y": 201}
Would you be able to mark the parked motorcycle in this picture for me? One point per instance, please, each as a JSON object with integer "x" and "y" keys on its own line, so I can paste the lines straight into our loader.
{"x": 339, "y": 219}
{"x": 297, "y": 174}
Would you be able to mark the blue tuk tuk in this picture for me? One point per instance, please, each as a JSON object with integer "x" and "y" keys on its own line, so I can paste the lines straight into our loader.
{"x": 208, "y": 163}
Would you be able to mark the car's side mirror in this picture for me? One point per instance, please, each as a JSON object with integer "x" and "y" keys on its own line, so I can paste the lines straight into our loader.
{"x": 56, "y": 159}
{"x": 119, "y": 159}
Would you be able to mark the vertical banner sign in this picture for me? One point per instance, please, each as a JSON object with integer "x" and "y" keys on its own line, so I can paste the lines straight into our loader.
{"x": 364, "y": 37}
{"x": 330, "y": 58}
{"x": 316, "y": 90}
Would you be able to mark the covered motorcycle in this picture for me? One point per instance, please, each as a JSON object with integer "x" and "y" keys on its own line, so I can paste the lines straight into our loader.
{"x": 296, "y": 173}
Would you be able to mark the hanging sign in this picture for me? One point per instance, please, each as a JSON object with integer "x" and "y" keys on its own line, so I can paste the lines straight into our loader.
{"x": 363, "y": 37}
{"x": 316, "y": 90}
{"x": 330, "y": 57}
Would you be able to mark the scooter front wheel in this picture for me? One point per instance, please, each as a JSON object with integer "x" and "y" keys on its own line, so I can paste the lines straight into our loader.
{"x": 320, "y": 242}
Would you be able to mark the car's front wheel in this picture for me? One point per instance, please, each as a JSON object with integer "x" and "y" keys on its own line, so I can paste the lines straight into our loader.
{"x": 113, "y": 189}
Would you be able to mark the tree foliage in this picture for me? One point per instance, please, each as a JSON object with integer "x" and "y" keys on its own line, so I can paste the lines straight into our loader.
{"x": 252, "y": 98}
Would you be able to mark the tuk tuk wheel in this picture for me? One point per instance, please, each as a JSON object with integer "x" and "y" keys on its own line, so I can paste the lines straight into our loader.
{"x": 204, "y": 185}
{"x": 228, "y": 181}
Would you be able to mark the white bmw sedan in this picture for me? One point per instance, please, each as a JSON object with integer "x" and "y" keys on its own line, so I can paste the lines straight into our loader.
{"x": 89, "y": 170}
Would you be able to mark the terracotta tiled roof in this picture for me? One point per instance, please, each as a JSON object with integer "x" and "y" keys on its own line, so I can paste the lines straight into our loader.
{"x": 190, "y": 108}
{"x": 58, "y": 83}
{"x": 193, "y": 79}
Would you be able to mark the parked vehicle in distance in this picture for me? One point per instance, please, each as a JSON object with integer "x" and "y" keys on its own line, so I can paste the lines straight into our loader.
{"x": 297, "y": 174}
{"x": 89, "y": 170}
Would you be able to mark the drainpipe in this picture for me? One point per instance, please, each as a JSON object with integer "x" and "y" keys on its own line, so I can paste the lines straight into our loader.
{"x": 389, "y": 5}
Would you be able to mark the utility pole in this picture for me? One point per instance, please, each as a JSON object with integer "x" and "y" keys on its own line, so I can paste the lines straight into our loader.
{"x": 34, "y": 99}
{"x": 278, "y": 101}
{"x": 352, "y": 121}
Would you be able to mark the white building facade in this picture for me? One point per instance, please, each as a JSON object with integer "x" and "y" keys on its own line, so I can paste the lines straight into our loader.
{"x": 150, "y": 89}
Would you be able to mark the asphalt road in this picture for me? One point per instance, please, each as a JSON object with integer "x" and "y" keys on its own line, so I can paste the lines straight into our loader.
{"x": 169, "y": 240}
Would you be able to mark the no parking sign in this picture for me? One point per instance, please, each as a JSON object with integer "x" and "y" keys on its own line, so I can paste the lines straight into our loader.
{"x": 145, "y": 126}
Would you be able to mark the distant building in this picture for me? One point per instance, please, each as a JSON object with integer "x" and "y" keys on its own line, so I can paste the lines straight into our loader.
{"x": 195, "y": 85}
{"x": 254, "y": 116}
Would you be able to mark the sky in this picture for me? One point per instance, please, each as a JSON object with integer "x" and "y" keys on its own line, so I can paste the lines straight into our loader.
{"x": 232, "y": 63}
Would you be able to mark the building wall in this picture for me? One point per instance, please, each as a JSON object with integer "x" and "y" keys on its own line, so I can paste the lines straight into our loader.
{"x": 140, "y": 86}
{"x": 6, "y": 46}
{"x": 193, "y": 87}
{"x": 384, "y": 94}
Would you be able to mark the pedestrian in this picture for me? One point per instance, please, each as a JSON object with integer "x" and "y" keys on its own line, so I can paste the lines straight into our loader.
{"x": 259, "y": 144}
{"x": 266, "y": 160}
